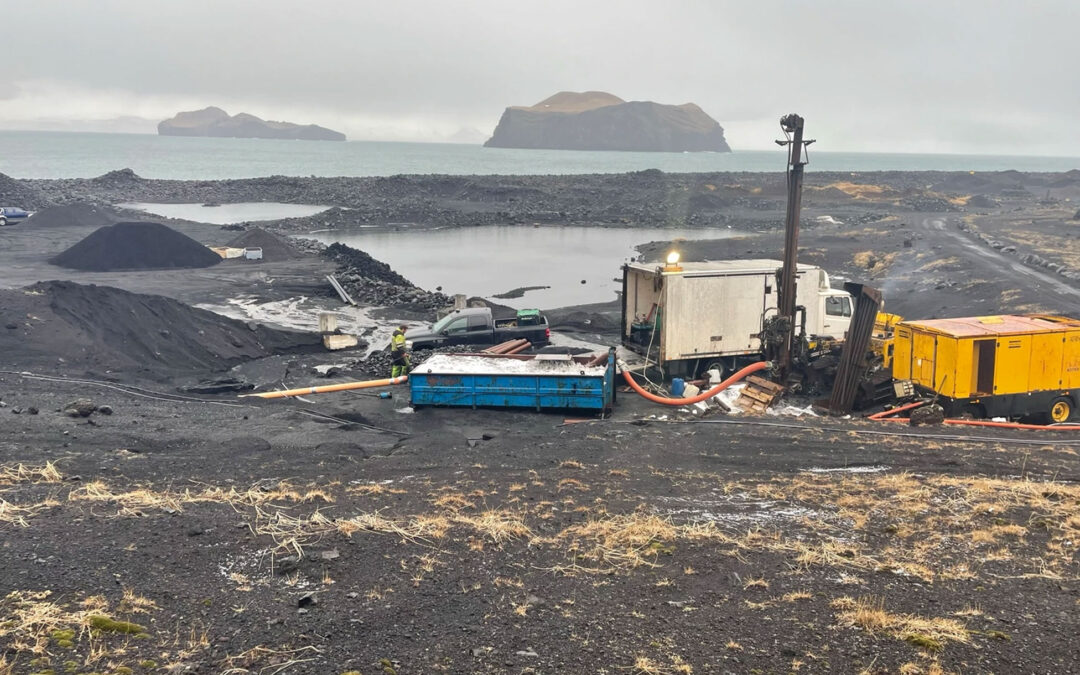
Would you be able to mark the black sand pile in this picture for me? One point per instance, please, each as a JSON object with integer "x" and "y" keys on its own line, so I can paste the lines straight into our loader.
{"x": 18, "y": 194}
{"x": 274, "y": 247}
{"x": 72, "y": 328}
{"x": 131, "y": 246}
{"x": 79, "y": 214}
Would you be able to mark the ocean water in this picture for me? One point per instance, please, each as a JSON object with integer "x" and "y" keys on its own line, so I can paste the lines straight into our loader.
{"x": 44, "y": 154}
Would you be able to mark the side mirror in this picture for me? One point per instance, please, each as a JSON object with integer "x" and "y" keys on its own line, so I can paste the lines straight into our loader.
{"x": 444, "y": 332}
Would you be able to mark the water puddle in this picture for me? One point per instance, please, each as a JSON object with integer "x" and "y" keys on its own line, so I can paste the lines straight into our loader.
{"x": 741, "y": 509}
{"x": 848, "y": 469}
{"x": 227, "y": 214}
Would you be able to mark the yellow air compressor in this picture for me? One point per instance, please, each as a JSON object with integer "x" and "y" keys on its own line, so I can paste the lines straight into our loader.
{"x": 994, "y": 366}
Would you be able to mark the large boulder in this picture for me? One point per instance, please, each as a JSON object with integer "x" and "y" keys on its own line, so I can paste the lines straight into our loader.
{"x": 216, "y": 122}
{"x": 596, "y": 120}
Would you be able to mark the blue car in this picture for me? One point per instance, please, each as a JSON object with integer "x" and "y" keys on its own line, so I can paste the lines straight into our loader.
{"x": 10, "y": 215}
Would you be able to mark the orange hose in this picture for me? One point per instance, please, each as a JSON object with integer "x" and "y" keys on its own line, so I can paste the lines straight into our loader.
{"x": 326, "y": 389}
{"x": 892, "y": 411}
{"x": 884, "y": 416}
{"x": 752, "y": 368}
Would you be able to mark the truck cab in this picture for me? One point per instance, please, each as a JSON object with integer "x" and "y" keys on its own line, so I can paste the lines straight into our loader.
{"x": 466, "y": 326}
{"x": 835, "y": 311}
{"x": 478, "y": 326}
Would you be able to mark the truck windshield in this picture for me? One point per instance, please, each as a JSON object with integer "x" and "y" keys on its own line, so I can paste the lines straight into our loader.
{"x": 442, "y": 323}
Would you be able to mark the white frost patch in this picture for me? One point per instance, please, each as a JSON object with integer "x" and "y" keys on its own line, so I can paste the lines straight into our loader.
{"x": 256, "y": 567}
{"x": 565, "y": 340}
{"x": 297, "y": 313}
{"x": 302, "y": 314}
{"x": 736, "y": 508}
{"x": 446, "y": 364}
{"x": 791, "y": 411}
{"x": 848, "y": 469}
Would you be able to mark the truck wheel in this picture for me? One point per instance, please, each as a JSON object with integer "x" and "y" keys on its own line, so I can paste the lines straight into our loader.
{"x": 973, "y": 411}
{"x": 1061, "y": 409}
{"x": 3, "y": 221}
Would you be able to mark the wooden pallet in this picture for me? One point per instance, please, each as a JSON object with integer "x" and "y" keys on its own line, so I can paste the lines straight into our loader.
{"x": 758, "y": 395}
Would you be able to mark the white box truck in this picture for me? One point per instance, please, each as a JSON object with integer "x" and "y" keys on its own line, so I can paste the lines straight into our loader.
{"x": 692, "y": 317}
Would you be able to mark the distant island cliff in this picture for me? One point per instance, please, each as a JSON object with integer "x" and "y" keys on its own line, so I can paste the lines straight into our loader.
{"x": 596, "y": 120}
{"x": 216, "y": 122}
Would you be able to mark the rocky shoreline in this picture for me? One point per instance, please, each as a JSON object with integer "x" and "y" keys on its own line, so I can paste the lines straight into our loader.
{"x": 645, "y": 198}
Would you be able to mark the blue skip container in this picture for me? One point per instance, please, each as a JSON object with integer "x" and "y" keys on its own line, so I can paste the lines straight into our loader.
{"x": 540, "y": 382}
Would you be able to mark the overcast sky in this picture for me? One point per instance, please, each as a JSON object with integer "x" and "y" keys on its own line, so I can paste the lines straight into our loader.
{"x": 968, "y": 76}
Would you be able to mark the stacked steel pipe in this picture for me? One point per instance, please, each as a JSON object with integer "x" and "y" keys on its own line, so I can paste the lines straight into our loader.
{"x": 508, "y": 347}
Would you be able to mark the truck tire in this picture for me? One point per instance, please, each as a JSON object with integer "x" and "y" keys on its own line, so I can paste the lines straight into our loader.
{"x": 1061, "y": 409}
{"x": 973, "y": 411}
{"x": 3, "y": 221}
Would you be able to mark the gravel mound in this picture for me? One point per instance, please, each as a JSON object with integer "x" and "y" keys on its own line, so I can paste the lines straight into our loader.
{"x": 79, "y": 214}
{"x": 119, "y": 178}
{"x": 14, "y": 192}
{"x": 371, "y": 281}
{"x": 274, "y": 247}
{"x": 73, "y": 328}
{"x": 130, "y": 246}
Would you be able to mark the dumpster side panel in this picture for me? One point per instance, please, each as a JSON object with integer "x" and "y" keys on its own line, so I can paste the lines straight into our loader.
{"x": 512, "y": 391}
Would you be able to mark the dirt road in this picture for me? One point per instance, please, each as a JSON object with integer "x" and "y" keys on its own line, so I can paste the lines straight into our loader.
{"x": 987, "y": 263}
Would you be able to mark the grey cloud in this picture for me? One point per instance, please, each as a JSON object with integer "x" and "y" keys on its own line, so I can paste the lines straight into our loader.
{"x": 963, "y": 73}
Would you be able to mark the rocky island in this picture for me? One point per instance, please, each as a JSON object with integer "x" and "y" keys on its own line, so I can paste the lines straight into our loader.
{"x": 213, "y": 121}
{"x": 596, "y": 120}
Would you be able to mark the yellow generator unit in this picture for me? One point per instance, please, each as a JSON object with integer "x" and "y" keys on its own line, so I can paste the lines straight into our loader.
{"x": 994, "y": 366}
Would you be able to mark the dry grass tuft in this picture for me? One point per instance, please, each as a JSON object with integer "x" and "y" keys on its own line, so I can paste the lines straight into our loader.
{"x": 19, "y": 514}
{"x": 31, "y": 622}
{"x": 373, "y": 490}
{"x": 499, "y": 526}
{"x": 929, "y": 634}
{"x": 20, "y": 473}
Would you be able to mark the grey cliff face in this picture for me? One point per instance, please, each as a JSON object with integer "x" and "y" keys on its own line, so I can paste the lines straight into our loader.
{"x": 216, "y": 122}
{"x": 631, "y": 126}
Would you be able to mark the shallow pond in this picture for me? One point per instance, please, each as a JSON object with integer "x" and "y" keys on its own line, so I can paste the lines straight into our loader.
{"x": 227, "y": 214}
{"x": 579, "y": 264}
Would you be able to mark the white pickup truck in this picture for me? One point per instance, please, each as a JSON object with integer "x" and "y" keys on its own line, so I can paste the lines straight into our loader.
{"x": 697, "y": 316}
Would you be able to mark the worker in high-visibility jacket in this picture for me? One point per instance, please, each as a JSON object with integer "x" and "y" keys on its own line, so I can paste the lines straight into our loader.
{"x": 399, "y": 351}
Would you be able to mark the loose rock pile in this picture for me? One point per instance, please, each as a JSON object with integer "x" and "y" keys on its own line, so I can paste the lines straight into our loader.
{"x": 19, "y": 194}
{"x": 373, "y": 282}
